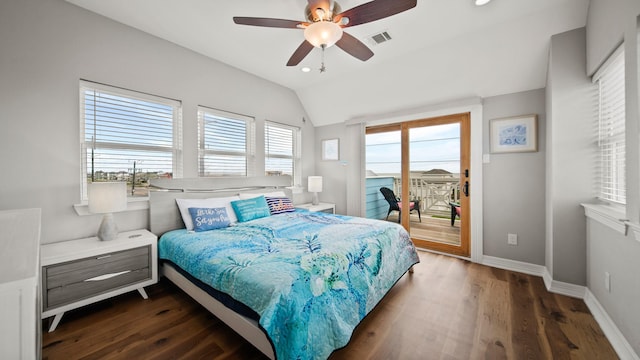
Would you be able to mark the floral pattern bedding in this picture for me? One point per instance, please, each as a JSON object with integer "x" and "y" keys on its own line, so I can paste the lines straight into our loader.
{"x": 312, "y": 277}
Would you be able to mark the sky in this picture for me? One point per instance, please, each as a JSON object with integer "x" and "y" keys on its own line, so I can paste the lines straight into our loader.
{"x": 433, "y": 147}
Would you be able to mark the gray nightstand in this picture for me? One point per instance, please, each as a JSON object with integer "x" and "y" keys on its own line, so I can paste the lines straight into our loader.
{"x": 80, "y": 272}
{"x": 322, "y": 207}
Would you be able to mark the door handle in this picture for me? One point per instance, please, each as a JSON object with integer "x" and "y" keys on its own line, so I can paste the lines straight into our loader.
{"x": 465, "y": 189}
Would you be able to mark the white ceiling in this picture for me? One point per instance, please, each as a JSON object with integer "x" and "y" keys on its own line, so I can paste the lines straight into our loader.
{"x": 442, "y": 50}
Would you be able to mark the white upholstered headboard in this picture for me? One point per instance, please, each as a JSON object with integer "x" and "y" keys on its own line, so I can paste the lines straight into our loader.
{"x": 163, "y": 210}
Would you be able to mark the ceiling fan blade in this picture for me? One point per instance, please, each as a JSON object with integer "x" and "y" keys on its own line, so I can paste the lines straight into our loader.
{"x": 267, "y": 22}
{"x": 375, "y": 10}
{"x": 301, "y": 52}
{"x": 354, "y": 47}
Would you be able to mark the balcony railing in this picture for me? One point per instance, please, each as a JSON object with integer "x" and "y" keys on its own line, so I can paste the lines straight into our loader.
{"x": 434, "y": 192}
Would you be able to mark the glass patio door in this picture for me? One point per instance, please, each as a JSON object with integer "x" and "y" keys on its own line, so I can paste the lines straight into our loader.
{"x": 427, "y": 162}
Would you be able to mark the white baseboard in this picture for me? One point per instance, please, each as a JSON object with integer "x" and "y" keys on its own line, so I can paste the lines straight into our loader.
{"x": 512, "y": 265}
{"x": 562, "y": 288}
{"x": 609, "y": 328}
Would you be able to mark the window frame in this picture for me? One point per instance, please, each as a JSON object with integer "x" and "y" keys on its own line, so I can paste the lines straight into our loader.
{"x": 177, "y": 141}
{"x": 296, "y": 149}
{"x": 249, "y": 152}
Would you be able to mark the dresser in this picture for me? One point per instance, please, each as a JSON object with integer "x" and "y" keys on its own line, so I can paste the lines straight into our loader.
{"x": 19, "y": 279}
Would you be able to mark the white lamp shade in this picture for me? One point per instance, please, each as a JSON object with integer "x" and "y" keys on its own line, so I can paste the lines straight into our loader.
{"x": 315, "y": 184}
{"x": 107, "y": 197}
{"x": 323, "y": 33}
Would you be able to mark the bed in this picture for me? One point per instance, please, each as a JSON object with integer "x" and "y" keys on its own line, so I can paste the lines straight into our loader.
{"x": 293, "y": 283}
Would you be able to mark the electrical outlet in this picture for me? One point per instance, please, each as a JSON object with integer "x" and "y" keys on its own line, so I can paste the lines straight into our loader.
{"x": 512, "y": 239}
{"x": 607, "y": 281}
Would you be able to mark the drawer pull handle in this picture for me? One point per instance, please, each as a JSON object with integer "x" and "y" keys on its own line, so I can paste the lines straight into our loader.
{"x": 103, "y": 257}
{"x": 108, "y": 276}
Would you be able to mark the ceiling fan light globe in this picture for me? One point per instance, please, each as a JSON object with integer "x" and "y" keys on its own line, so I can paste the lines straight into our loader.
{"x": 325, "y": 33}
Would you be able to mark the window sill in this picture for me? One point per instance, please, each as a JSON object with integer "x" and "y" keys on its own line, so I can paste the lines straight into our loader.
{"x": 134, "y": 204}
{"x": 611, "y": 216}
{"x": 635, "y": 228}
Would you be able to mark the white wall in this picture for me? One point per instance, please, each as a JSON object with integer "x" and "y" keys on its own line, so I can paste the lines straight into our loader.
{"x": 47, "y": 47}
{"x": 514, "y": 184}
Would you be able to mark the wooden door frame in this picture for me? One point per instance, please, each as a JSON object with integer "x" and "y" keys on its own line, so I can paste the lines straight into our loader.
{"x": 464, "y": 119}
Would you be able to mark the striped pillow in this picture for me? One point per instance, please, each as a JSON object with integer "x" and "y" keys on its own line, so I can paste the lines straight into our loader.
{"x": 279, "y": 205}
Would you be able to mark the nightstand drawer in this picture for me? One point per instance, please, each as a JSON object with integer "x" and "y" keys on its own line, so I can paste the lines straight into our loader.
{"x": 75, "y": 280}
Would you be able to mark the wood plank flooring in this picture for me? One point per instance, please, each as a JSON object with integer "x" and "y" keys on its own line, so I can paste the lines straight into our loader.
{"x": 447, "y": 309}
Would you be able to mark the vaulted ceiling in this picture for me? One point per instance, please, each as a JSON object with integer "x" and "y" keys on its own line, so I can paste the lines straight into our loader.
{"x": 441, "y": 50}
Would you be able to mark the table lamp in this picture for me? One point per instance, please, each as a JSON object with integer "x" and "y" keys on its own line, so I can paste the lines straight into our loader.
{"x": 107, "y": 198}
{"x": 315, "y": 186}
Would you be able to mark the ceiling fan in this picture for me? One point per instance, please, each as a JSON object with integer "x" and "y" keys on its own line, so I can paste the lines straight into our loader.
{"x": 325, "y": 21}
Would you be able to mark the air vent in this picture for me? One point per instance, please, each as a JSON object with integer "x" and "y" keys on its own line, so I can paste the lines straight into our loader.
{"x": 381, "y": 37}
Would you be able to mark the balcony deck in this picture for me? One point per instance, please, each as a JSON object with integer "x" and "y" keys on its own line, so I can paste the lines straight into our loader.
{"x": 433, "y": 228}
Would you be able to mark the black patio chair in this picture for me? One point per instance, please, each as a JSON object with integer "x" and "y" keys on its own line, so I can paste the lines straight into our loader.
{"x": 455, "y": 211}
{"x": 396, "y": 205}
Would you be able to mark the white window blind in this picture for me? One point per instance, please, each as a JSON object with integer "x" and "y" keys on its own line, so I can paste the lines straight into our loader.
{"x": 611, "y": 128}
{"x": 281, "y": 149}
{"x": 128, "y": 136}
{"x": 225, "y": 143}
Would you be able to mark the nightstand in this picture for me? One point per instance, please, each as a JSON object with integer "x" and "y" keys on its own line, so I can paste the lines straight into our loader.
{"x": 322, "y": 207}
{"x": 80, "y": 272}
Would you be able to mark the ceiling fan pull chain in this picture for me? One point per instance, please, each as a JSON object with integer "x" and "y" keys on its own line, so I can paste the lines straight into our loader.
{"x": 322, "y": 67}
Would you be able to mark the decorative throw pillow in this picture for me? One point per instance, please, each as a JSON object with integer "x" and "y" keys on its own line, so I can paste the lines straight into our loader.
{"x": 209, "y": 218}
{"x": 279, "y": 205}
{"x": 250, "y": 209}
{"x": 185, "y": 204}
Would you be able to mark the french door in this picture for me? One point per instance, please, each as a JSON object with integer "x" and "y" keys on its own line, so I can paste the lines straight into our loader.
{"x": 427, "y": 162}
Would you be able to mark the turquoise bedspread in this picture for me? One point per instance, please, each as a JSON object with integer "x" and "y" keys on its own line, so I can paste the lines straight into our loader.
{"x": 312, "y": 277}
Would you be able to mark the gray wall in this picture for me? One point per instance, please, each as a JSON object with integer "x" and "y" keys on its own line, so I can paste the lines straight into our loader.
{"x": 47, "y": 46}
{"x": 612, "y": 252}
{"x": 514, "y": 184}
{"x": 334, "y": 173}
{"x": 608, "y": 23}
{"x": 572, "y": 152}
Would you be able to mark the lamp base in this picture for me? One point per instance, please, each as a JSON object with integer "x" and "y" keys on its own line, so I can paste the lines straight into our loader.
{"x": 315, "y": 200}
{"x": 108, "y": 229}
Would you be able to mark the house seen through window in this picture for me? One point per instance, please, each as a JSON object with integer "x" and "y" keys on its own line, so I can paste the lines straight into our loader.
{"x": 128, "y": 136}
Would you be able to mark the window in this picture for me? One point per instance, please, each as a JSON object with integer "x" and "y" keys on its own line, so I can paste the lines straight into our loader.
{"x": 282, "y": 154}
{"x": 128, "y": 136}
{"x": 610, "y": 80}
{"x": 225, "y": 143}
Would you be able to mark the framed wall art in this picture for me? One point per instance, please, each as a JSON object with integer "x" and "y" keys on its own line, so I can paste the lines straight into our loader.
{"x": 331, "y": 149}
{"x": 514, "y": 134}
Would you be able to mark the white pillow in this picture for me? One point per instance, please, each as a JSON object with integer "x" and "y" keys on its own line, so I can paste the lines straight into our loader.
{"x": 245, "y": 196}
{"x": 185, "y": 204}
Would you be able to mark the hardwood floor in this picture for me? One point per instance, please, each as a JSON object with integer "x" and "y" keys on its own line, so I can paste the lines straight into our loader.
{"x": 447, "y": 309}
